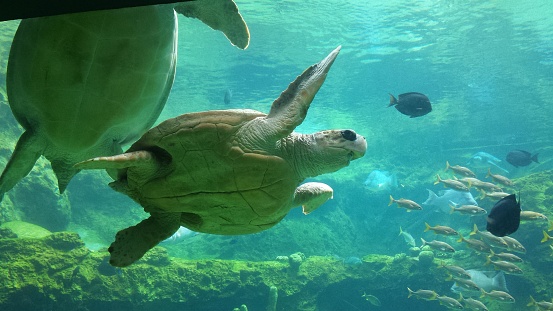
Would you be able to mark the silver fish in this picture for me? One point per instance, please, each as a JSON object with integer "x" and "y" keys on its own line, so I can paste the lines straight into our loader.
{"x": 407, "y": 237}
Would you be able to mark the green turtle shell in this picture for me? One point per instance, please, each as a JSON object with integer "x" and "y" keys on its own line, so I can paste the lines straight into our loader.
{"x": 83, "y": 82}
{"x": 217, "y": 185}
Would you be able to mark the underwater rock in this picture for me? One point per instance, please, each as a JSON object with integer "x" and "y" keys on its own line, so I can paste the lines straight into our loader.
{"x": 295, "y": 261}
{"x": 22, "y": 229}
{"x": 157, "y": 256}
{"x": 64, "y": 241}
{"x": 273, "y": 297}
{"x": 426, "y": 258}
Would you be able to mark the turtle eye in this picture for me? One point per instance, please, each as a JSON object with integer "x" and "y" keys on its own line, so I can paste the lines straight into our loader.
{"x": 349, "y": 135}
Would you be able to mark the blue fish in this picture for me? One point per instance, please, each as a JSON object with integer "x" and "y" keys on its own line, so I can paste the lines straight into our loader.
{"x": 381, "y": 181}
{"x": 447, "y": 198}
{"x": 486, "y": 280}
{"x": 485, "y": 160}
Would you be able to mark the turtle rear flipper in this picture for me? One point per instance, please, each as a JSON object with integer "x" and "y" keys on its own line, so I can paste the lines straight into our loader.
{"x": 26, "y": 153}
{"x": 132, "y": 243}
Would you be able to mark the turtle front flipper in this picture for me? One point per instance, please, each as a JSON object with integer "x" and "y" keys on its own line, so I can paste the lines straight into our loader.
{"x": 144, "y": 163}
{"x": 290, "y": 108}
{"x": 132, "y": 243}
{"x": 311, "y": 195}
{"x": 26, "y": 153}
{"x": 221, "y": 15}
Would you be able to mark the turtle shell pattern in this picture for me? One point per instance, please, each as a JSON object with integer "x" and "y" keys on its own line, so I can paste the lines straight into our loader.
{"x": 219, "y": 186}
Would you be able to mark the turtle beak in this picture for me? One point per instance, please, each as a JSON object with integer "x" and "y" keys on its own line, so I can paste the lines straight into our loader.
{"x": 359, "y": 148}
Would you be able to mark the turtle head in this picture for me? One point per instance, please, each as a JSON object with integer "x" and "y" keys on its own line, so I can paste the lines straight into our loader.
{"x": 331, "y": 150}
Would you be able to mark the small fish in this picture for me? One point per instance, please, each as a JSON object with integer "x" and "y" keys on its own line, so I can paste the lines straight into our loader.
{"x": 455, "y": 270}
{"x": 477, "y": 245}
{"x": 489, "y": 238}
{"x": 438, "y": 245}
{"x": 504, "y": 217}
{"x": 464, "y": 283}
{"x": 480, "y": 185}
{"x": 408, "y": 204}
{"x": 411, "y": 104}
{"x": 423, "y": 294}
{"x": 473, "y": 304}
{"x": 460, "y": 170}
{"x": 500, "y": 179}
{"x": 372, "y": 299}
{"x": 541, "y": 305}
{"x": 493, "y": 195}
{"x": 505, "y": 266}
{"x": 546, "y": 237}
{"x": 514, "y": 245}
{"x": 451, "y": 183}
{"x": 228, "y": 97}
{"x": 505, "y": 256}
{"x": 407, "y": 237}
{"x": 445, "y": 230}
{"x": 468, "y": 210}
{"x": 529, "y": 215}
{"x": 449, "y": 302}
{"x": 498, "y": 295}
{"x": 521, "y": 158}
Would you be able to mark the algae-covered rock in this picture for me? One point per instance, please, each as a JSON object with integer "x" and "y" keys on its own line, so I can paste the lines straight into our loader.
{"x": 26, "y": 230}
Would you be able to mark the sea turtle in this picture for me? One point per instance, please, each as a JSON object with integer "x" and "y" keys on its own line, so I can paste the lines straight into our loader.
{"x": 82, "y": 85}
{"x": 228, "y": 171}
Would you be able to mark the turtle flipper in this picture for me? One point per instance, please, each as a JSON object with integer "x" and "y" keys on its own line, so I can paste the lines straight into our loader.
{"x": 290, "y": 108}
{"x": 144, "y": 163}
{"x": 26, "y": 153}
{"x": 132, "y": 243}
{"x": 311, "y": 195}
{"x": 221, "y": 15}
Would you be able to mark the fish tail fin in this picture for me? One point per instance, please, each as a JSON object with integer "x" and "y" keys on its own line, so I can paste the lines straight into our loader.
{"x": 393, "y": 100}
{"x": 546, "y": 237}
{"x": 447, "y": 166}
{"x": 499, "y": 281}
{"x": 474, "y": 230}
{"x": 460, "y": 238}
{"x": 489, "y": 172}
{"x": 427, "y": 227}
{"x": 532, "y": 302}
{"x": 491, "y": 254}
{"x": 482, "y": 194}
{"x": 438, "y": 179}
{"x": 461, "y": 297}
{"x": 535, "y": 158}
{"x": 423, "y": 242}
{"x": 483, "y": 293}
{"x": 449, "y": 277}
{"x": 391, "y": 200}
{"x": 488, "y": 261}
{"x": 451, "y": 208}
{"x": 410, "y": 292}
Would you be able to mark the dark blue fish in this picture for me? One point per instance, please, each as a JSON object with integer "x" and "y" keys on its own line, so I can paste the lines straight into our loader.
{"x": 504, "y": 218}
{"x": 521, "y": 158}
{"x": 412, "y": 104}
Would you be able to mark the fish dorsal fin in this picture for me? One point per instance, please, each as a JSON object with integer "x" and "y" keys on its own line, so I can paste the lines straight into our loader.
{"x": 499, "y": 281}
